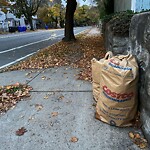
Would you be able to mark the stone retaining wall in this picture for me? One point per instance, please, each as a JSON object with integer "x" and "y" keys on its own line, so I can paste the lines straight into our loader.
{"x": 140, "y": 47}
{"x": 116, "y": 44}
{"x": 138, "y": 44}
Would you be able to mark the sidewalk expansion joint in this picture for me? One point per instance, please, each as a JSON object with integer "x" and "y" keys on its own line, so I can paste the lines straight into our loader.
{"x": 35, "y": 76}
{"x": 61, "y": 91}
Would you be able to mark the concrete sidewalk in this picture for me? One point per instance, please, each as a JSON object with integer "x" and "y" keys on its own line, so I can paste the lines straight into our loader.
{"x": 60, "y": 107}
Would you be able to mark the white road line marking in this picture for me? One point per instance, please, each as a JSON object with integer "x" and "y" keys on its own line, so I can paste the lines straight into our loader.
{"x": 12, "y": 49}
{"x": 53, "y": 36}
{"x": 26, "y": 33}
{"x": 17, "y": 60}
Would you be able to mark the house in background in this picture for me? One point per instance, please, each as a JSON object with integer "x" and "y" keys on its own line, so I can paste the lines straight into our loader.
{"x": 10, "y": 20}
{"x": 134, "y": 5}
{"x": 2, "y": 20}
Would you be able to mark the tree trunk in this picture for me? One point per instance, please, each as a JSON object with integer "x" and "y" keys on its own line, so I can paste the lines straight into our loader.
{"x": 69, "y": 20}
{"x": 56, "y": 22}
{"x": 61, "y": 23}
{"x": 31, "y": 23}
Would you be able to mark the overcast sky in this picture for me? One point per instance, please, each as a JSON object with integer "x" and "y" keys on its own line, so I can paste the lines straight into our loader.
{"x": 83, "y": 2}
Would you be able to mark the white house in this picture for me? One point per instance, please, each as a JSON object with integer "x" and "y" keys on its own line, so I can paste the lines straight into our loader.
{"x": 22, "y": 21}
{"x": 135, "y": 5}
{"x": 34, "y": 21}
{"x": 2, "y": 19}
{"x": 10, "y": 20}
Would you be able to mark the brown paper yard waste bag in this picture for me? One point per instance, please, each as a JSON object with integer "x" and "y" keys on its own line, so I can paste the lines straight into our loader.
{"x": 115, "y": 81}
{"x": 96, "y": 73}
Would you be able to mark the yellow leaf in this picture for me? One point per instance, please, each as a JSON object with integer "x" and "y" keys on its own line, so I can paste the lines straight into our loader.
{"x": 143, "y": 145}
{"x": 46, "y": 97}
{"x": 74, "y": 139}
{"x": 131, "y": 135}
{"x": 54, "y": 114}
{"x": 8, "y": 87}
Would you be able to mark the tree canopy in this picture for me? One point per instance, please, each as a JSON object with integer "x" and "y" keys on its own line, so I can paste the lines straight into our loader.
{"x": 86, "y": 15}
{"x": 105, "y": 7}
{"x": 28, "y": 8}
{"x": 3, "y": 3}
{"x": 52, "y": 15}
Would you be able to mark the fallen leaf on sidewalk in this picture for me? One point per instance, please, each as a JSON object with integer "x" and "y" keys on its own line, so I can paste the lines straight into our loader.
{"x": 131, "y": 135}
{"x": 31, "y": 118}
{"x": 138, "y": 140}
{"x": 61, "y": 97}
{"x": 27, "y": 74}
{"x": 143, "y": 145}
{"x": 8, "y": 87}
{"x": 137, "y": 136}
{"x": 21, "y": 131}
{"x": 43, "y": 77}
{"x": 54, "y": 114}
{"x": 11, "y": 94}
{"x": 74, "y": 139}
{"x": 38, "y": 107}
{"x": 46, "y": 97}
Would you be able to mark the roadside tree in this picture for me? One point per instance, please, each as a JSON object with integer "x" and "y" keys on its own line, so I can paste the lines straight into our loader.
{"x": 3, "y": 3}
{"x": 93, "y": 15}
{"x": 105, "y": 7}
{"x": 42, "y": 14}
{"x": 86, "y": 15}
{"x": 52, "y": 15}
{"x": 69, "y": 20}
{"x": 29, "y": 8}
{"x": 56, "y": 15}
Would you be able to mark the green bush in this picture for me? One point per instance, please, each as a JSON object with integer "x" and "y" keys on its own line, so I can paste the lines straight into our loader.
{"x": 119, "y": 22}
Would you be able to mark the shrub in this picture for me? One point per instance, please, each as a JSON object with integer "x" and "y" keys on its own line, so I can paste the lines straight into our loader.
{"x": 119, "y": 22}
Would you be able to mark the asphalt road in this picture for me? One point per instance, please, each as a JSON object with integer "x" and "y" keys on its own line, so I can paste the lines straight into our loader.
{"x": 18, "y": 46}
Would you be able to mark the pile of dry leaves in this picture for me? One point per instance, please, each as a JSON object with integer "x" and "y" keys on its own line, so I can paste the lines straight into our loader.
{"x": 138, "y": 140}
{"x": 78, "y": 54}
{"x": 11, "y": 94}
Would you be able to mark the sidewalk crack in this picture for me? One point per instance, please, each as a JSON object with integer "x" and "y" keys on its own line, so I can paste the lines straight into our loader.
{"x": 35, "y": 76}
{"x": 63, "y": 91}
